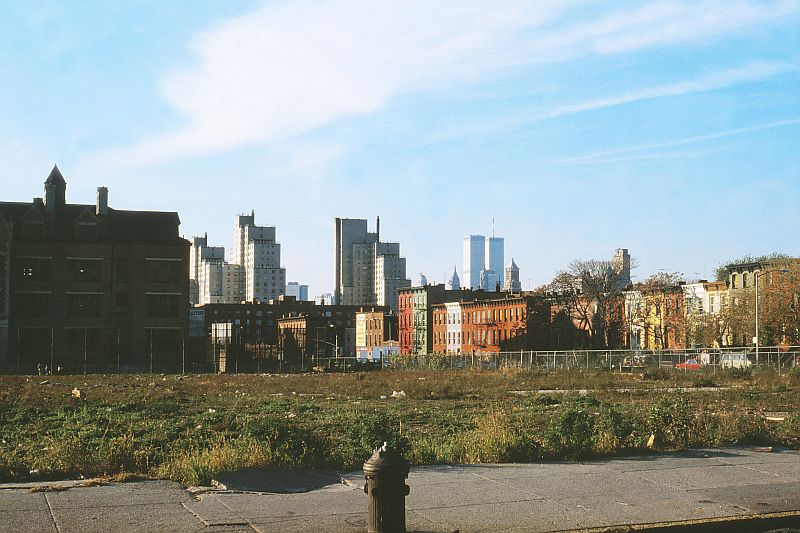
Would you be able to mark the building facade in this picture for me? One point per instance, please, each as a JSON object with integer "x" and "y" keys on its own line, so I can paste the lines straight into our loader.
{"x": 367, "y": 272}
{"x": 508, "y": 323}
{"x": 89, "y": 288}
{"x": 656, "y": 318}
{"x": 257, "y": 335}
{"x": 376, "y": 335}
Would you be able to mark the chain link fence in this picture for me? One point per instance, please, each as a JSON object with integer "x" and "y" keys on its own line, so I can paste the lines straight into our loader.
{"x": 779, "y": 357}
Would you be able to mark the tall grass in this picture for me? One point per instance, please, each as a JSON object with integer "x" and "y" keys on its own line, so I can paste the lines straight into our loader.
{"x": 192, "y": 429}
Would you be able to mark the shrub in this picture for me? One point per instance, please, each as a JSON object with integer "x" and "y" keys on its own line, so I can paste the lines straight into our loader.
{"x": 360, "y": 433}
{"x": 670, "y": 420}
{"x": 572, "y": 434}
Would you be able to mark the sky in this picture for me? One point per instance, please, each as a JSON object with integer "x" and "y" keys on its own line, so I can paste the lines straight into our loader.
{"x": 671, "y": 128}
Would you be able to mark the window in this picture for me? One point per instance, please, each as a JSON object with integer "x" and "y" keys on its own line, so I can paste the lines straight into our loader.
{"x": 84, "y": 305}
{"x": 121, "y": 269}
{"x": 744, "y": 280}
{"x": 162, "y": 305}
{"x": 79, "y": 339}
{"x": 157, "y": 271}
{"x": 84, "y": 270}
{"x": 734, "y": 281}
{"x": 32, "y": 269}
{"x": 32, "y": 304}
{"x": 121, "y": 299}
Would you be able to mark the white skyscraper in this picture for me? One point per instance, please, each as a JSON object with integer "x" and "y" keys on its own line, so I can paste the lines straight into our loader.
{"x": 212, "y": 280}
{"x": 256, "y": 249}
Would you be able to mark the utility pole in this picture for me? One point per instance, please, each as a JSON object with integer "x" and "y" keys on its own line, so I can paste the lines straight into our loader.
{"x": 85, "y": 355}
{"x": 118, "y": 365}
{"x": 51, "y": 351}
{"x": 151, "y": 351}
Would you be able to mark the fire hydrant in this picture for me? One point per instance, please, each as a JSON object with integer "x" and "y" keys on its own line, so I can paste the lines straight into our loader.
{"x": 386, "y": 472}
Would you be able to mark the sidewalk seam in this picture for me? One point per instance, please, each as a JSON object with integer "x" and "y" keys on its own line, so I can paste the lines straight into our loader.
{"x": 52, "y": 515}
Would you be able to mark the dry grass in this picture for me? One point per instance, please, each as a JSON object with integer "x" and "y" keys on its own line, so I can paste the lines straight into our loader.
{"x": 190, "y": 428}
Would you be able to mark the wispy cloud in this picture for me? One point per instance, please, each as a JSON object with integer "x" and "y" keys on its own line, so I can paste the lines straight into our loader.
{"x": 710, "y": 82}
{"x": 682, "y": 141}
{"x": 713, "y": 81}
{"x": 293, "y": 67}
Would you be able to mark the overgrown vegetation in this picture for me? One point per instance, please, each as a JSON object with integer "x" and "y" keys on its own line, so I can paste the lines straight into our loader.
{"x": 191, "y": 428}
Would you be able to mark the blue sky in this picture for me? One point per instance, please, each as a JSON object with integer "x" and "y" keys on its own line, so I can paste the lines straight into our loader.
{"x": 667, "y": 127}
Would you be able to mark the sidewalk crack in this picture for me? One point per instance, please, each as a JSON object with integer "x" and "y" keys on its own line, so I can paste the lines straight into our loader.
{"x": 50, "y": 510}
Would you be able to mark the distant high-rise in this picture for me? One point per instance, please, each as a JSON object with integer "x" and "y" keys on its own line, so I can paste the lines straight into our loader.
{"x": 212, "y": 280}
{"x": 474, "y": 254}
{"x": 366, "y": 271}
{"x": 511, "y": 281}
{"x": 621, "y": 263}
{"x": 256, "y": 249}
{"x": 455, "y": 283}
{"x": 483, "y": 262}
{"x": 300, "y": 292}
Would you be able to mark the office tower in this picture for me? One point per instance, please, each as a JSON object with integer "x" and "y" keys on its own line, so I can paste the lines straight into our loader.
{"x": 483, "y": 262}
{"x": 511, "y": 282}
{"x": 366, "y": 271}
{"x": 455, "y": 283}
{"x": 474, "y": 259}
{"x": 300, "y": 292}
{"x": 256, "y": 249}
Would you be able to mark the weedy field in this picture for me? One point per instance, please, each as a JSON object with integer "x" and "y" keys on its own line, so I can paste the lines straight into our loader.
{"x": 189, "y": 428}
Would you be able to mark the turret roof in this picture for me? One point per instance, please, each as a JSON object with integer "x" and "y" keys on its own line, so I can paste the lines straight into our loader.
{"x": 55, "y": 177}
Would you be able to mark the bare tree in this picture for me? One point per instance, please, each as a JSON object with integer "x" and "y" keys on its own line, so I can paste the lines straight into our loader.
{"x": 590, "y": 291}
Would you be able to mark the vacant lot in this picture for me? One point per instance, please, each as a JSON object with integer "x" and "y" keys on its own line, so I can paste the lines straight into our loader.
{"x": 188, "y": 428}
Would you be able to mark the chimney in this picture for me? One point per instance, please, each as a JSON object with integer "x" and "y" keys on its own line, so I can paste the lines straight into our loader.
{"x": 102, "y": 201}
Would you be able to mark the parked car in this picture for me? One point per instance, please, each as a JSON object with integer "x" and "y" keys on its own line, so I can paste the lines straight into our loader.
{"x": 735, "y": 360}
{"x": 689, "y": 364}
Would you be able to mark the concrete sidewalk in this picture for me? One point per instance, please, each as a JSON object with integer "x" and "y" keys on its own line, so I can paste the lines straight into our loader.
{"x": 528, "y": 497}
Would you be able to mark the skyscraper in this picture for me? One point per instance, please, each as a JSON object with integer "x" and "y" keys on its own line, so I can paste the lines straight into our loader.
{"x": 621, "y": 263}
{"x": 366, "y": 271}
{"x": 256, "y": 249}
{"x": 511, "y": 282}
{"x": 483, "y": 262}
{"x": 474, "y": 258}
{"x": 455, "y": 283}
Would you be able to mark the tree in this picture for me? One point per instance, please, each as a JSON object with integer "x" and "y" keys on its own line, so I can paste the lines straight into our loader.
{"x": 661, "y": 280}
{"x": 590, "y": 291}
{"x": 779, "y": 304}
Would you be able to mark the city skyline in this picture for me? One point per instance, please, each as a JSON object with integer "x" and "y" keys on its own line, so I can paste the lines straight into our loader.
{"x": 657, "y": 127}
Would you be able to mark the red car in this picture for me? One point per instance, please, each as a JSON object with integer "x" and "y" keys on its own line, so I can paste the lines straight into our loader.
{"x": 690, "y": 364}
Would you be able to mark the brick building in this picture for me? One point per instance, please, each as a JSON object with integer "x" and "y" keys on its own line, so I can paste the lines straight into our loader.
{"x": 415, "y": 314}
{"x": 514, "y": 322}
{"x": 257, "y": 334}
{"x": 89, "y": 288}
